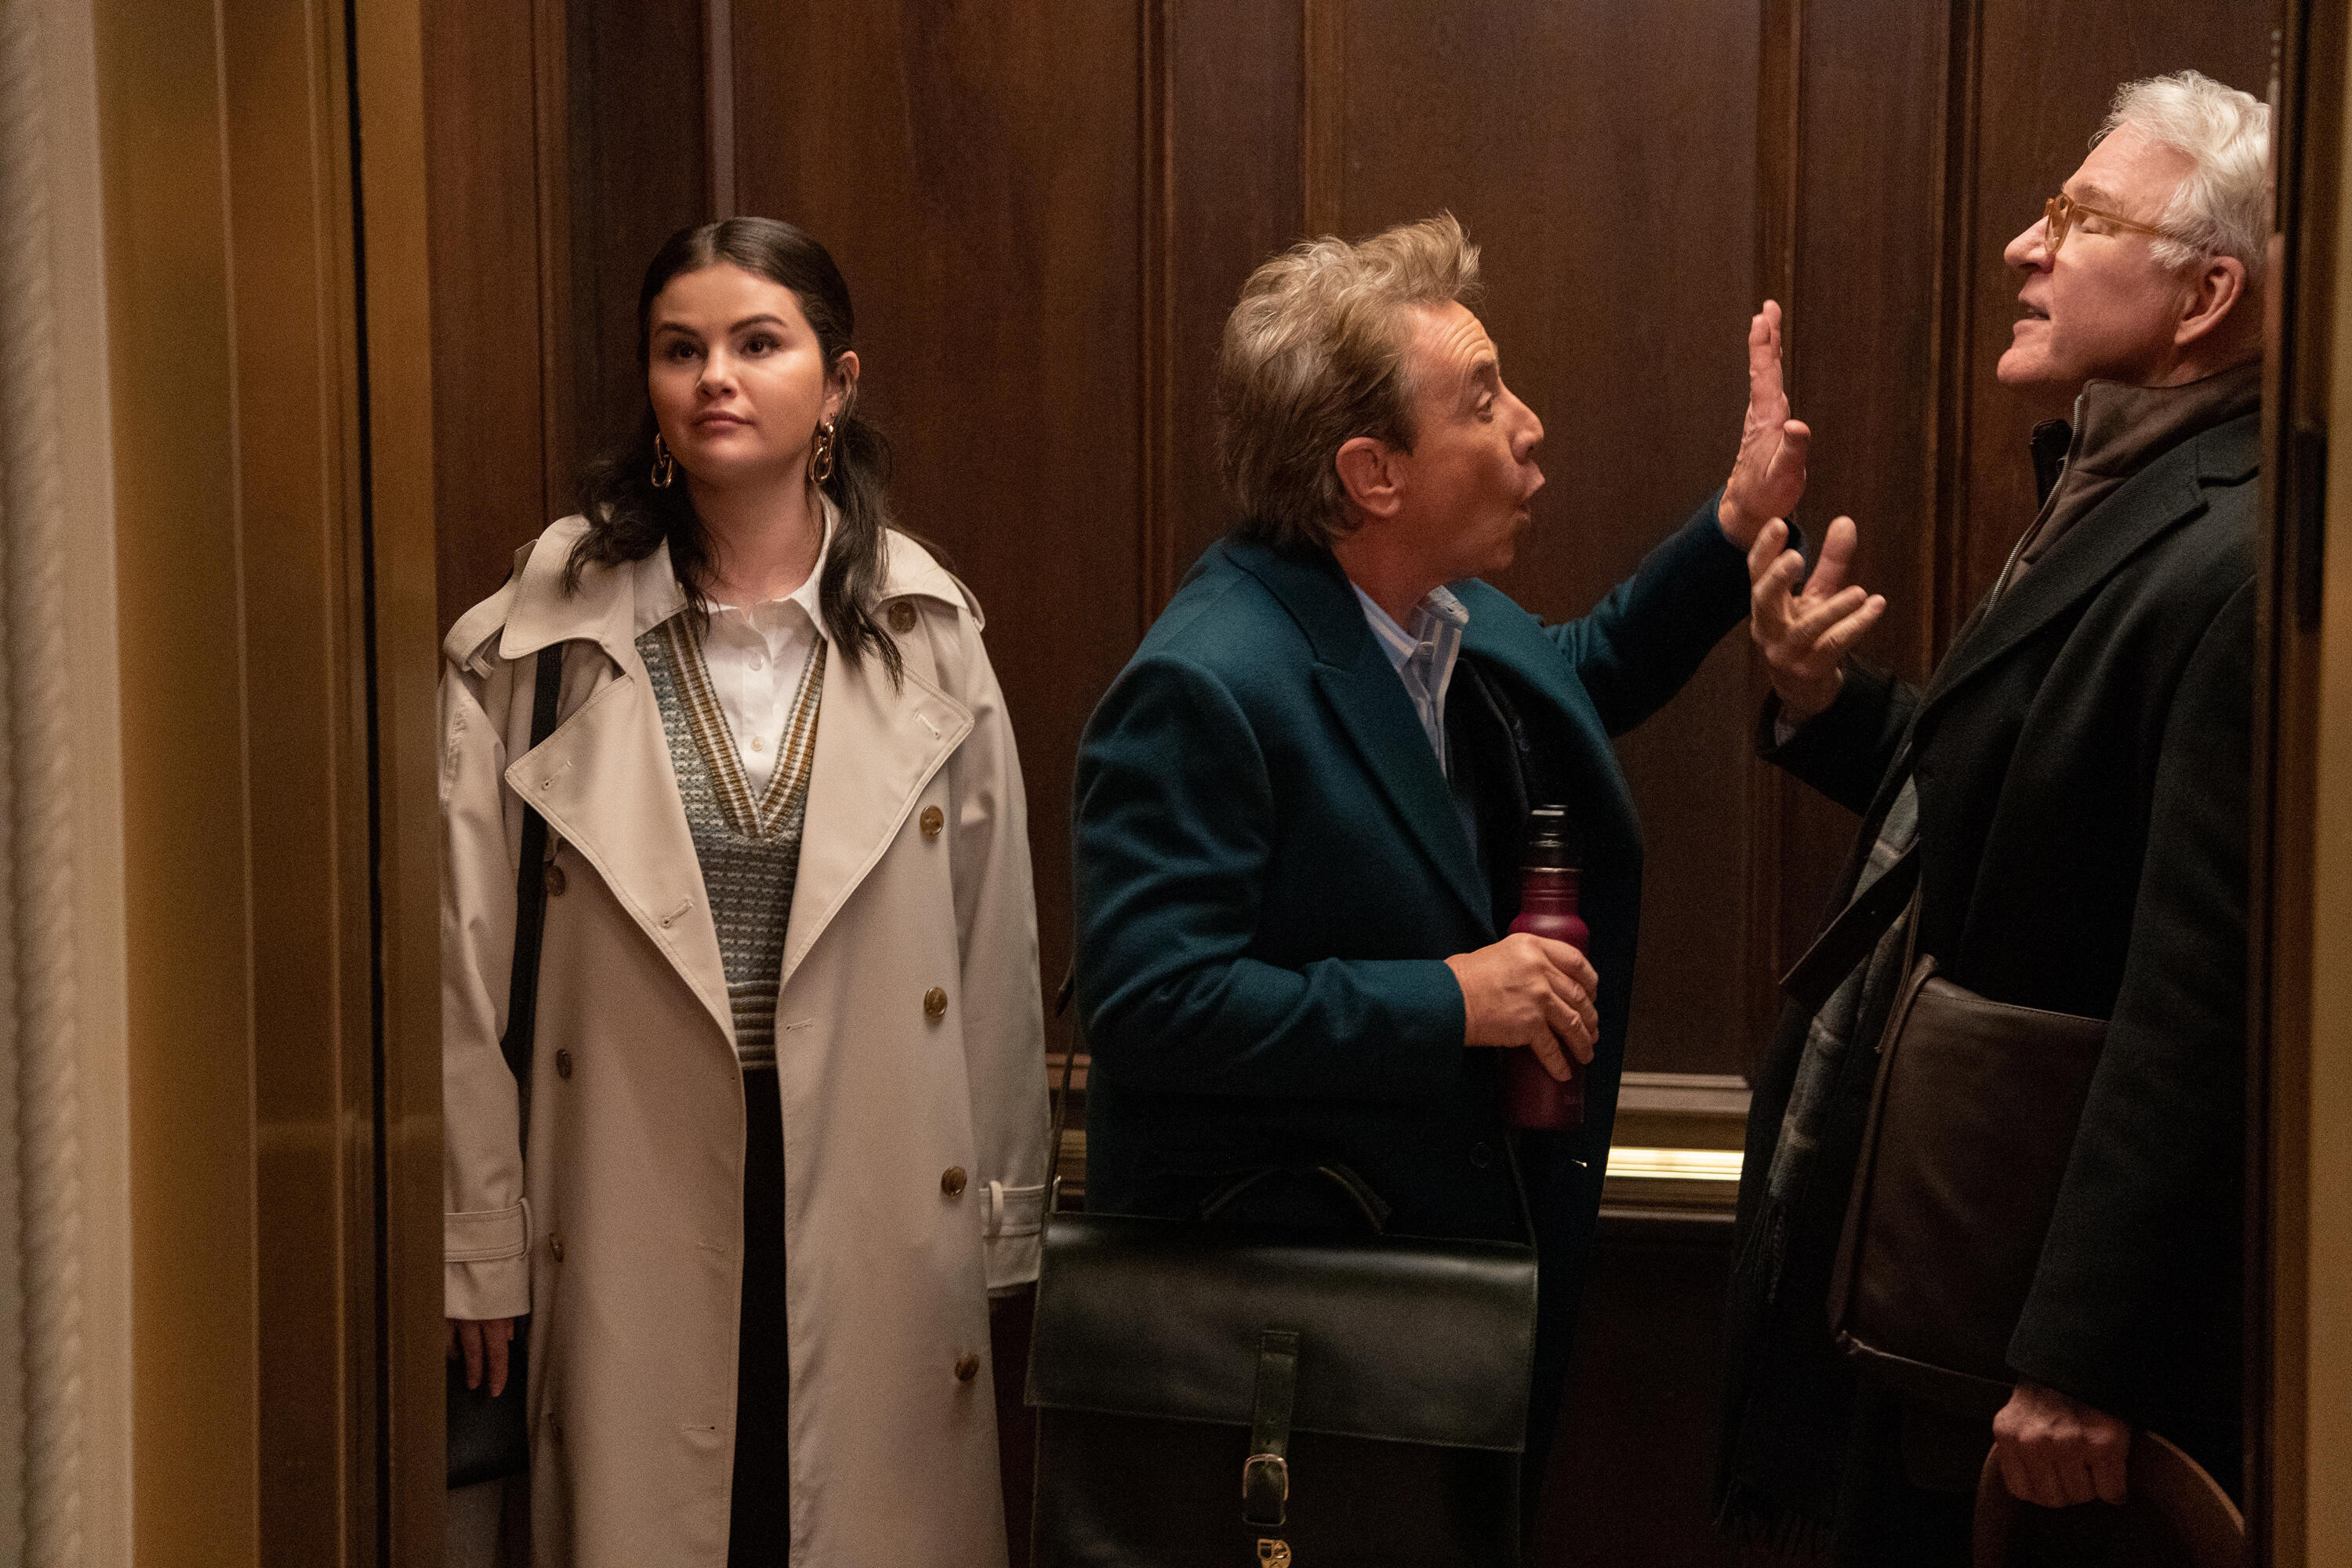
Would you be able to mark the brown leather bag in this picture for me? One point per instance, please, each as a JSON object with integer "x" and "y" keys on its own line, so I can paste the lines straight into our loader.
{"x": 1971, "y": 1125}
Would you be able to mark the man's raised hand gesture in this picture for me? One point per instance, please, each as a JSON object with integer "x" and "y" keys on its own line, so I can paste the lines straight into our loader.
{"x": 1805, "y": 633}
{"x": 1768, "y": 477}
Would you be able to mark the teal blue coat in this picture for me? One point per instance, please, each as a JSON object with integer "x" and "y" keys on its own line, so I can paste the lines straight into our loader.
{"x": 1270, "y": 871}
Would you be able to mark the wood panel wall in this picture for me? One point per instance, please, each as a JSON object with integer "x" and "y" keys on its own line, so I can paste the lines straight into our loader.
{"x": 978, "y": 174}
{"x": 1046, "y": 207}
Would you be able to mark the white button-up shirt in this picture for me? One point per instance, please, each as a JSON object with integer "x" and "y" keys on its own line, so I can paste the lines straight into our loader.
{"x": 756, "y": 656}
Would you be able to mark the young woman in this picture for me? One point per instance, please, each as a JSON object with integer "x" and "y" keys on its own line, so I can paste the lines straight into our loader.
{"x": 787, "y": 1119}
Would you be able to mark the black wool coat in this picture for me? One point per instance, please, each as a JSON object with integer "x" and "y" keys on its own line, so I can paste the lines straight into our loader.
{"x": 2082, "y": 760}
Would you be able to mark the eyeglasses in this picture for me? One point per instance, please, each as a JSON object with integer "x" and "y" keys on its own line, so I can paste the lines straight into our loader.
{"x": 2058, "y": 215}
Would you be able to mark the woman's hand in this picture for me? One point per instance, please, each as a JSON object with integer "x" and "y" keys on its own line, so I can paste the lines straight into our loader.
{"x": 482, "y": 1340}
{"x": 1768, "y": 478}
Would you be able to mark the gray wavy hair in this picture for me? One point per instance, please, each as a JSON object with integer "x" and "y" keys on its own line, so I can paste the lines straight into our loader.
{"x": 1314, "y": 357}
{"x": 2222, "y": 205}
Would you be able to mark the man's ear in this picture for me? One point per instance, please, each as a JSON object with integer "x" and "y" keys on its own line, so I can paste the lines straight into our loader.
{"x": 1368, "y": 471}
{"x": 2217, "y": 294}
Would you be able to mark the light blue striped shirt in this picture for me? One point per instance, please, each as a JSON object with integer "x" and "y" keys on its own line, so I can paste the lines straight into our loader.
{"x": 1424, "y": 657}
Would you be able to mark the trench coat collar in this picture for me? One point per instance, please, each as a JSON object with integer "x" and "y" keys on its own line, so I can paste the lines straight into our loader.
{"x": 604, "y": 779}
{"x": 614, "y": 606}
{"x": 2167, "y": 493}
{"x": 1369, "y": 702}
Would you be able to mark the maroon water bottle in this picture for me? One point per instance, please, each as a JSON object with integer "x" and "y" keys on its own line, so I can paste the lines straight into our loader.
{"x": 1532, "y": 1098}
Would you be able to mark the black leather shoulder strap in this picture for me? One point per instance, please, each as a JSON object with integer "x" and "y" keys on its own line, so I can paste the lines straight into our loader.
{"x": 1850, "y": 938}
{"x": 530, "y": 893}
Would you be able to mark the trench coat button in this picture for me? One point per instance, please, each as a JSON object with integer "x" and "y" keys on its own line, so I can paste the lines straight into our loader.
{"x": 554, "y": 880}
{"x": 935, "y": 1004}
{"x": 555, "y": 1246}
{"x": 563, "y": 1064}
{"x": 1481, "y": 1156}
{"x": 902, "y": 616}
{"x": 967, "y": 1367}
{"x": 951, "y": 1181}
{"x": 933, "y": 820}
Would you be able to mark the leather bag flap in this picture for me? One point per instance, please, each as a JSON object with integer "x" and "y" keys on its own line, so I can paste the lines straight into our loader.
{"x": 1401, "y": 1338}
{"x": 1976, "y": 1106}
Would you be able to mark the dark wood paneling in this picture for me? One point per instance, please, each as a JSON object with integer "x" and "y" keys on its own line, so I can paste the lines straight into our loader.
{"x": 1861, "y": 325}
{"x": 2037, "y": 107}
{"x": 1602, "y": 155}
{"x": 489, "y": 410}
{"x": 1235, "y": 71}
{"x": 977, "y": 174}
{"x": 639, "y": 161}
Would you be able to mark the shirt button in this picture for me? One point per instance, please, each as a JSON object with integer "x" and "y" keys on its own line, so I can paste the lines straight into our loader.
{"x": 902, "y": 616}
{"x": 563, "y": 1064}
{"x": 1481, "y": 1156}
{"x": 967, "y": 1367}
{"x": 554, "y": 880}
{"x": 935, "y": 1004}
{"x": 755, "y": 661}
{"x": 933, "y": 820}
{"x": 758, "y": 743}
{"x": 555, "y": 1247}
{"x": 951, "y": 1181}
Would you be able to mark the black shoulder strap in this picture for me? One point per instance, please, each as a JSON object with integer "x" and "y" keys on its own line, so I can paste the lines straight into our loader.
{"x": 530, "y": 894}
{"x": 1849, "y": 939}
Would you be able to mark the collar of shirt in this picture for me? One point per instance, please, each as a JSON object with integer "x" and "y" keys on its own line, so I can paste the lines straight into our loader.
{"x": 778, "y": 623}
{"x": 1422, "y": 656}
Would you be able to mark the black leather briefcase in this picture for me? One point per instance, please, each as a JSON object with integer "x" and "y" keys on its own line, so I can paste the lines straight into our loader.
{"x": 1212, "y": 1395}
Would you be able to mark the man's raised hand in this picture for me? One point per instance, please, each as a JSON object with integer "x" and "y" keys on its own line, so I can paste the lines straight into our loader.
{"x": 1805, "y": 633}
{"x": 1768, "y": 478}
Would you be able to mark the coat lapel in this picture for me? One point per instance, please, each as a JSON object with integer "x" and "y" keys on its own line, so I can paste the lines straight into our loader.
{"x": 604, "y": 781}
{"x": 2160, "y": 498}
{"x": 1372, "y": 710}
{"x": 877, "y": 748}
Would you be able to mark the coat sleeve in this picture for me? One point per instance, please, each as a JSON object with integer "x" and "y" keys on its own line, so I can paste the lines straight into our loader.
{"x": 485, "y": 1229}
{"x": 1646, "y": 638}
{"x": 2142, "y": 1254}
{"x": 1003, "y": 1016}
{"x": 1844, "y": 749}
{"x": 1175, "y": 836}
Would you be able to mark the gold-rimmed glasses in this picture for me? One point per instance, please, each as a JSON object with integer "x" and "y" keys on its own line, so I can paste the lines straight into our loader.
{"x": 2058, "y": 215}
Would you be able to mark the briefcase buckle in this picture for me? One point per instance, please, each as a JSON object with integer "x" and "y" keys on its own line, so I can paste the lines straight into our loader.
{"x": 1276, "y": 1464}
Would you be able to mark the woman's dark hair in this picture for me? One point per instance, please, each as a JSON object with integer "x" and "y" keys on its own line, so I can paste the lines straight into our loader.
{"x": 629, "y": 517}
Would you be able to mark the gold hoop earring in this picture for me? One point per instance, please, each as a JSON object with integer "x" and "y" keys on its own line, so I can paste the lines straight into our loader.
{"x": 821, "y": 460}
{"x": 664, "y": 466}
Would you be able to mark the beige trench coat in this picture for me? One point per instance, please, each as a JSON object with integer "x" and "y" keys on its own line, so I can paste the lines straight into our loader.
{"x": 622, "y": 1238}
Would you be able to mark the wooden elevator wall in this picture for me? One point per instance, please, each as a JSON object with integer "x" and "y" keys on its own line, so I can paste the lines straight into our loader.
{"x": 1046, "y": 207}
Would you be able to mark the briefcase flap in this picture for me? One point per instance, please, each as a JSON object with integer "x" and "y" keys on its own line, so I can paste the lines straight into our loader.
{"x": 1399, "y": 1337}
{"x": 1976, "y": 1106}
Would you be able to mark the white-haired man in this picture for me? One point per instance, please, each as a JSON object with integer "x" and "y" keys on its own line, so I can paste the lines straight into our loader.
{"x": 2071, "y": 787}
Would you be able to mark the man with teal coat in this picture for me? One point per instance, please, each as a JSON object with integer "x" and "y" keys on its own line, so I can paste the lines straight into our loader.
{"x": 1299, "y": 808}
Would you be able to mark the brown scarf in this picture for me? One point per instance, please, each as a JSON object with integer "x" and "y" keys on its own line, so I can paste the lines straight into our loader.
{"x": 2119, "y": 429}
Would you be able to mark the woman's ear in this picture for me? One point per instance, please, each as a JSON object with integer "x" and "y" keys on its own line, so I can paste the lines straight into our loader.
{"x": 841, "y": 386}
